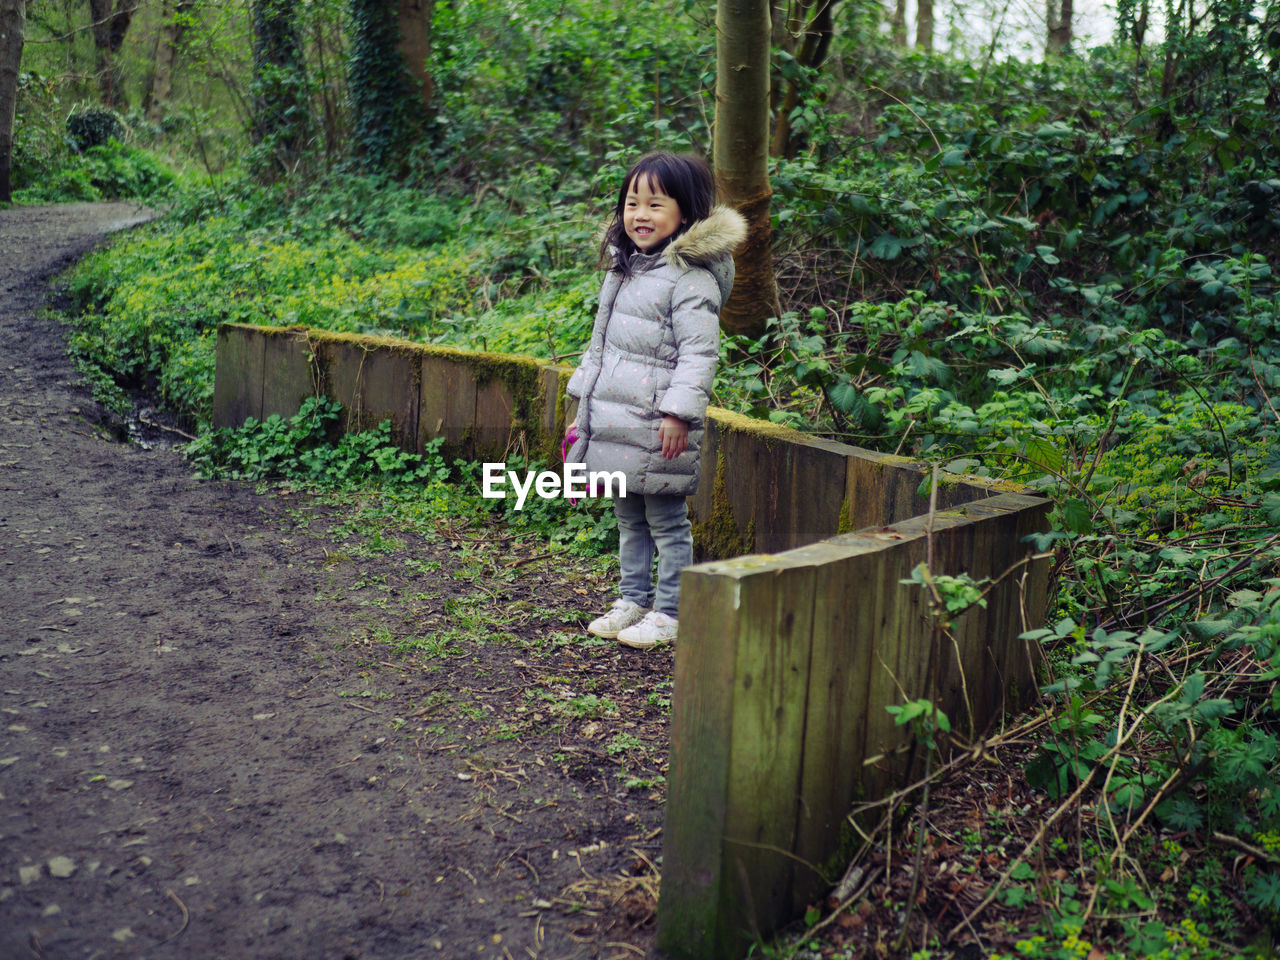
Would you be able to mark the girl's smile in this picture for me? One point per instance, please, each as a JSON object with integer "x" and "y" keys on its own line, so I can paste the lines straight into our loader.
{"x": 649, "y": 216}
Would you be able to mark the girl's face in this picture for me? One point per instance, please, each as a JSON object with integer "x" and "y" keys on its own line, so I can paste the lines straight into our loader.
{"x": 649, "y": 216}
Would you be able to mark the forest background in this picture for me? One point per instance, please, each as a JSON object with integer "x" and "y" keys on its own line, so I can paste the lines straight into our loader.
{"x": 997, "y": 246}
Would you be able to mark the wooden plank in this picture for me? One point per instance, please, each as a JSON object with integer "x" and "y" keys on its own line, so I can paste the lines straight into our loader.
{"x": 389, "y": 390}
{"x": 238, "y": 375}
{"x": 447, "y": 405}
{"x": 751, "y": 488}
{"x": 836, "y": 715}
{"x": 288, "y": 377}
{"x": 896, "y": 659}
{"x": 709, "y": 505}
{"x": 770, "y": 702}
{"x": 341, "y": 364}
{"x": 691, "y": 916}
{"x": 812, "y": 484}
{"x": 495, "y": 413}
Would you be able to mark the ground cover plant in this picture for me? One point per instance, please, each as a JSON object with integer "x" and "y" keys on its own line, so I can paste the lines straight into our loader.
{"x": 1060, "y": 273}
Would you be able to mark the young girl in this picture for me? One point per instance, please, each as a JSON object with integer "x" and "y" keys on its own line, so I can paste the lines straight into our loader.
{"x": 644, "y": 382}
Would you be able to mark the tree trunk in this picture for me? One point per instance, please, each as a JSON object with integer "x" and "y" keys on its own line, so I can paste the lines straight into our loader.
{"x": 811, "y": 54}
{"x": 415, "y": 45}
{"x": 1058, "y": 15}
{"x": 898, "y": 23}
{"x": 173, "y": 25}
{"x": 281, "y": 107}
{"x": 12, "y": 14}
{"x": 924, "y": 25}
{"x": 109, "y": 26}
{"x": 387, "y": 96}
{"x": 742, "y": 156}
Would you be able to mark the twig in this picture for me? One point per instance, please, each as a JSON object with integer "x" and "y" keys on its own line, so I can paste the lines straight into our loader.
{"x": 186, "y": 918}
{"x": 532, "y": 869}
{"x": 154, "y": 425}
{"x": 1230, "y": 841}
{"x": 534, "y": 559}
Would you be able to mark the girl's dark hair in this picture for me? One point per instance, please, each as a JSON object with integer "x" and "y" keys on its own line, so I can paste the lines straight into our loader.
{"x": 684, "y": 177}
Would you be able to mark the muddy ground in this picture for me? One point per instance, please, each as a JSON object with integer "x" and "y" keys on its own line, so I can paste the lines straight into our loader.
{"x": 255, "y": 723}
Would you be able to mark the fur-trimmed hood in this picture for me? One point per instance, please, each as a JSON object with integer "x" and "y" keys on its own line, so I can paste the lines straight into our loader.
{"x": 708, "y": 240}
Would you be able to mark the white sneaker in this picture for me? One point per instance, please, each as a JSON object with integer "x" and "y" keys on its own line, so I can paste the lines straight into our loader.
{"x": 621, "y": 615}
{"x": 649, "y": 632}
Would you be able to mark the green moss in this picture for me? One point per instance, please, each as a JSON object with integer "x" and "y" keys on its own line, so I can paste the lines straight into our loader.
{"x": 560, "y": 419}
{"x": 770, "y": 432}
{"x": 847, "y": 845}
{"x": 519, "y": 375}
{"x": 716, "y": 537}
{"x": 845, "y": 523}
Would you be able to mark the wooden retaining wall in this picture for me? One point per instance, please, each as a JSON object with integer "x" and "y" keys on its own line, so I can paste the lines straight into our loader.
{"x": 793, "y": 638}
{"x": 764, "y": 488}
{"x": 784, "y": 667}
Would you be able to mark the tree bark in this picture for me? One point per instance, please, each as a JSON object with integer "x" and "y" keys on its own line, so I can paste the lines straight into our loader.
{"x": 281, "y": 107}
{"x": 815, "y": 24}
{"x": 415, "y": 45}
{"x": 1058, "y": 16}
{"x": 109, "y": 26}
{"x": 924, "y": 25}
{"x": 173, "y": 26}
{"x": 12, "y": 15}
{"x": 898, "y": 23}
{"x": 742, "y": 156}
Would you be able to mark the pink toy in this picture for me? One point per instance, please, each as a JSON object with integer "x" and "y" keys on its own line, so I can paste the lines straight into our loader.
{"x": 570, "y": 439}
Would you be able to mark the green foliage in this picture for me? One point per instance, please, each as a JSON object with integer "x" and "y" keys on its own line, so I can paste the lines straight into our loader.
{"x": 110, "y": 172}
{"x": 420, "y": 488}
{"x": 924, "y": 719}
{"x": 571, "y": 85}
{"x": 298, "y": 449}
{"x": 83, "y": 157}
{"x": 282, "y": 120}
{"x": 94, "y": 127}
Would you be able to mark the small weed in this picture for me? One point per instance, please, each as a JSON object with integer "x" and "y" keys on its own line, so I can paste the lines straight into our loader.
{"x": 623, "y": 743}
{"x": 429, "y": 647}
{"x": 643, "y": 783}
{"x": 587, "y": 707}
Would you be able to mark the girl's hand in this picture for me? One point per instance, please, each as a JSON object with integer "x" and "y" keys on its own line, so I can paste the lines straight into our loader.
{"x": 674, "y": 434}
{"x": 571, "y": 429}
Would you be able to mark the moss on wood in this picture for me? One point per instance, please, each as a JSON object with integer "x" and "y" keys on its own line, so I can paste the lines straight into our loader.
{"x": 771, "y": 433}
{"x": 716, "y": 536}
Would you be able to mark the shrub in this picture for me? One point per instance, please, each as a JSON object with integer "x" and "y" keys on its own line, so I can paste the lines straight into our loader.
{"x": 95, "y": 127}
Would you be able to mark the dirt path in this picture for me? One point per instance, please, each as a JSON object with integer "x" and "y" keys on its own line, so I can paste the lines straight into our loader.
{"x": 229, "y": 730}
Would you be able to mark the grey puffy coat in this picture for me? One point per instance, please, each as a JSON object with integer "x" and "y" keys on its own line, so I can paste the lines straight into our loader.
{"x": 653, "y": 352}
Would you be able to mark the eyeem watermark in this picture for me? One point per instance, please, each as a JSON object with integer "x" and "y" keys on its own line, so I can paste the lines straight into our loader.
{"x": 572, "y": 483}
